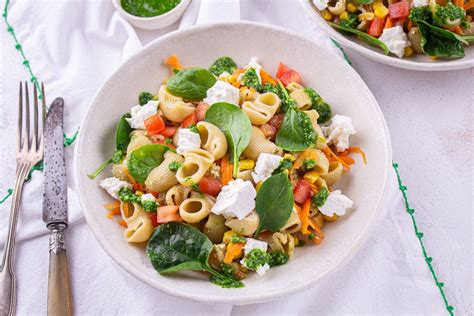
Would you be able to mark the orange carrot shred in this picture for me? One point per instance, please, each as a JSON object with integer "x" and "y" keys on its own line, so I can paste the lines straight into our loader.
{"x": 136, "y": 186}
{"x": 333, "y": 157}
{"x": 122, "y": 223}
{"x": 112, "y": 206}
{"x": 266, "y": 77}
{"x": 388, "y": 23}
{"x": 304, "y": 216}
{"x": 173, "y": 62}
{"x": 226, "y": 170}
{"x": 233, "y": 250}
{"x": 318, "y": 233}
{"x": 358, "y": 151}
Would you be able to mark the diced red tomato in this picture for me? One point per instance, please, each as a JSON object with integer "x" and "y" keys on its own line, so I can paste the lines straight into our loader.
{"x": 287, "y": 75}
{"x": 169, "y": 131}
{"x": 301, "y": 191}
{"x": 154, "y": 124}
{"x": 189, "y": 120}
{"x": 153, "y": 219}
{"x": 201, "y": 111}
{"x": 399, "y": 10}
{"x": 376, "y": 27}
{"x": 281, "y": 69}
{"x": 167, "y": 214}
{"x": 209, "y": 185}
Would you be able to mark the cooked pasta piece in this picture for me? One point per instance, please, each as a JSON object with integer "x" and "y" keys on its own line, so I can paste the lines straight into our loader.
{"x": 321, "y": 183}
{"x": 162, "y": 178}
{"x": 313, "y": 117}
{"x": 292, "y": 86}
{"x": 247, "y": 94}
{"x": 334, "y": 173}
{"x": 303, "y": 101}
{"x": 139, "y": 226}
{"x": 215, "y": 228}
{"x": 119, "y": 170}
{"x": 177, "y": 194}
{"x": 195, "y": 209}
{"x": 322, "y": 163}
{"x": 195, "y": 166}
{"x": 259, "y": 144}
{"x": 262, "y": 109}
{"x": 281, "y": 242}
{"x": 293, "y": 225}
{"x": 174, "y": 108}
{"x": 245, "y": 175}
{"x": 212, "y": 139}
{"x": 137, "y": 139}
{"x": 246, "y": 226}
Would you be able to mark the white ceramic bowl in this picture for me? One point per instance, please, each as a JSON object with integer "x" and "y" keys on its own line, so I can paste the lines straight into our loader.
{"x": 155, "y": 22}
{"x": 417, "y": 62}
{"x": 329, "y": 74}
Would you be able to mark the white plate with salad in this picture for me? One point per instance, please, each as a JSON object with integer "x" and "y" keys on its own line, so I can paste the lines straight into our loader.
{"x": 424, "y": 35}
{"x": 229, "y": 172}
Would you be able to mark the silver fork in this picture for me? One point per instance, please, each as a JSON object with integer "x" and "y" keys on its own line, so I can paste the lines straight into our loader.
{"x": 29, "y": 153}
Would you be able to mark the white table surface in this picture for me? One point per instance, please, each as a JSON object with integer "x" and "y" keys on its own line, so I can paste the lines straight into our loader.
{"x": 430, "y": 117}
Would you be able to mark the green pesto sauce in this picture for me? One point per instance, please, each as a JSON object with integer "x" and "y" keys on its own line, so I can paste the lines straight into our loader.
{"x": 148, "y": 8}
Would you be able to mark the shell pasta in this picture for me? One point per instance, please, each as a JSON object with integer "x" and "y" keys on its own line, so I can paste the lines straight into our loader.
{"x": 230, "y": 165}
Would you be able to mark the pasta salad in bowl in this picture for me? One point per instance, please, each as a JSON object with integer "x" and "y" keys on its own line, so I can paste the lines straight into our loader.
{"x": 246, "y": 172}
{"x": 227, "y": 169}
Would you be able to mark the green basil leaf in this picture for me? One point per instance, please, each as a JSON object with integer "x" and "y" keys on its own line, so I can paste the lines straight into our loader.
{"x": 122, "y": 133}
{"x": 296, "y": 132}
{"x": 175, "y": 246}
{"x": 274, "y": 203}
{"x": 235, "y": 125}
{"x": 191, "y": 83}
{"x": 144, "y": 159}
{"x": 439, "y": 42}
{"x": 363, "y": 36}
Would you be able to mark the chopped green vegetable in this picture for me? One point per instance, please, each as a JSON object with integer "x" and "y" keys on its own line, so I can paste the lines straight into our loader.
{"x": 149, "y": 206}
{"x": 320, "y": 198}
{"x": 311, "y": 236}
{"x": 283, "y": 167}
{"x": 296, "y": 132}
{"x": 350, "y": 22}
{"x": 363, "y": 36}
{"x": 223, "y": 64}
{"x": 256, "y": 258}
{"x": 144, "y": 97}
{"x": 278, "y": 258}
{"x": 439, "y": 42}
{"x": 449, "y": 15}
{"x": 191, "y": 83}
{"x": 168, "y": 141}
{"x": 194, "y": 129}
{"x": 174, "y": 166}
{"x": 195, "y": 187}
{"x": 309, "y": 163}
{"x": 251, "y": 79}
{"x": 237, "y": 239}
{"x": 226, "y": 281}
{"x": 300, "y": 243}
{"x": 286, "y": 101}
{"x": 127, "y": 195}
{"x": 422, "y": 13}
{"x": 318, "y": 104}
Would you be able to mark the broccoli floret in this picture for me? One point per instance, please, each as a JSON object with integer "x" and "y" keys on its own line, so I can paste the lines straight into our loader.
{"x": 149, "y": 206}
{"x": 423, "y": 13}
{"x": 256, "y": 258}
{"x": 223, "y": 64}
{"x": 351, "y": 22}
{"x": 320, "y": 198}
{"x": 250, "y": 79}
{"x": 449, "y": 15}
{"x": 144, "y": 97}
{"x": 278, "y": 258}
{"x": 318, "y": 104}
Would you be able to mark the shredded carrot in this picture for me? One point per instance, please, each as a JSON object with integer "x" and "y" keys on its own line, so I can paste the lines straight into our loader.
{"x": 469, "y": 5}
{"x": 348, "y": 160}
{"x": 457, "y": 30}
{"x": 233, "y": 250}
{"x": 304, "y": 216}
{"x": 313, "y": 187}
{"x": 122, "y": 223}
{"x": 112, "y": 206}
{"x": 226, "y": 170}
{"x": 173, "y": 62}
{"x": 333, "y": 157}
{"x": 169, "y": 213}
{"x": 136, "y": 186}
{"x": 318, "y": 233}
{"x": 358, "y": 151}
{"x": 388, "y": 23}
{"x": 266, "y": 77}
{"x": 112, "y": 213}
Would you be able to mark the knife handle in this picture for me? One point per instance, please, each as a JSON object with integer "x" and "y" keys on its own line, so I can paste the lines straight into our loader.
{"x": 59, "y": 288}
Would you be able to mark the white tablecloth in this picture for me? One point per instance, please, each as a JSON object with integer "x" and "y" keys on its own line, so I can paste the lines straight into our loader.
{"x": 74, "y": 46}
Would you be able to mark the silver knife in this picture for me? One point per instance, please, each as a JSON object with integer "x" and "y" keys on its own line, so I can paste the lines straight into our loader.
{"x": 55, "y": 211}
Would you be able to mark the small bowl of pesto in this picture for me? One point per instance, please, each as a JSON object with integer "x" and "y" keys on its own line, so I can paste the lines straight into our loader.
{"x": 151, "y": 14}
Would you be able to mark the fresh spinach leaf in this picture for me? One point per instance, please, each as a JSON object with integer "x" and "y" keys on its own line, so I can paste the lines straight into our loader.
{"x": 144, "y": 97}
{"x": 363, "y": 36}
{"x": 223, "y": 64}
{"x": 235, "y": 125}
{"x": 122, "y": 139}
{"x": 439, "y": 42}
{"x": 296, "y": 132}
{"x": 191, "y": 84}
{"x": 274, "y": 203}
{"x": 144, "y": 159}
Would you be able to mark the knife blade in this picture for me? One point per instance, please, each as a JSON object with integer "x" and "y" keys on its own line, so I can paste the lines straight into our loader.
{"x": 55, "y": 182}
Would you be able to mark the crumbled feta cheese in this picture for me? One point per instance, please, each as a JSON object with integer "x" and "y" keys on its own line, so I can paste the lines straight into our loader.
{"x": 113, "y": 185}
{"x": 336, "y": 203}
{"x": 321, "y": 4}
{"x": 252, "y": 64}
{"x": 395, "y": 39}
{"x": 266, "y": 164}
{"x": 222, "y": 91}
{"x": 338, "y": 132}
{"x": 237, "y": 199}
{"x": 187, "y": 140}
{"x": 215, "y": 171}
{"x": 252, "y": 243}
{"x": 262, "y": 269}
{"x": 420, "y": 3}
{"x": 148, "y": 197}
{"x": 141, "y": 113}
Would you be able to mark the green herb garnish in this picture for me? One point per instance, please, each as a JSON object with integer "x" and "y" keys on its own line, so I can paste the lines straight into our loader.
{"x": 278, "y": 258}
{"x": 320, "y": 198}
{"x": 174, "y": 166}
{"x": 144, "y": 97}
{"x": 223, "y": 64}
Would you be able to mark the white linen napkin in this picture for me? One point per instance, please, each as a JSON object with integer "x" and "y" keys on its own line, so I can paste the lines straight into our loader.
{"x": 73, "y": 47}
